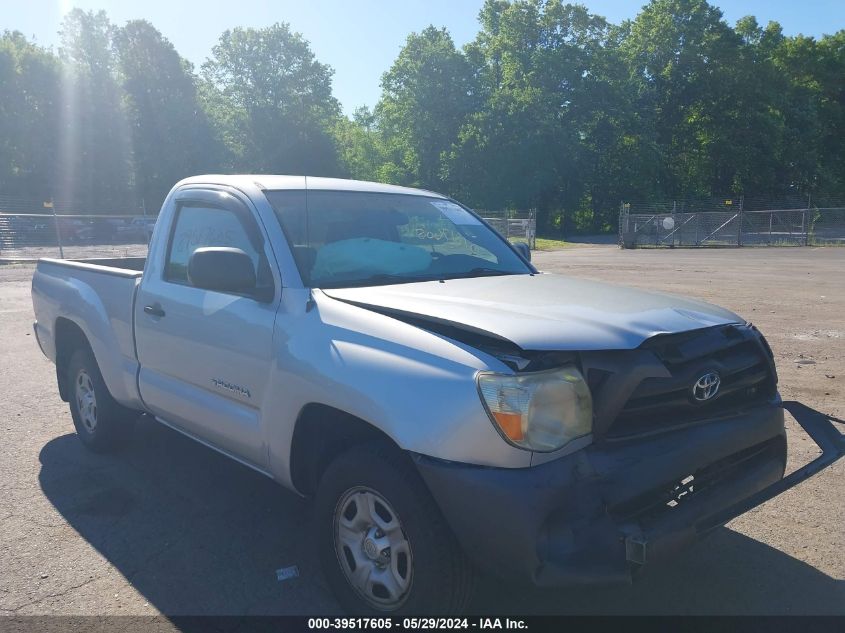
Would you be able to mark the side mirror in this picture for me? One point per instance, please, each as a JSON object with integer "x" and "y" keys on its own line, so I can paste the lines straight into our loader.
{"x": 221, "y": 268}
{"x": 523, "y": 249}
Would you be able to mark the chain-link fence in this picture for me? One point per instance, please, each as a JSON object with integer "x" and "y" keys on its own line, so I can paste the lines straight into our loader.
{"x": 733, "y": 222}
{"x": 31, "y": 229}
{"x": 26, "y": 237}
{"x": 517, "y": 226}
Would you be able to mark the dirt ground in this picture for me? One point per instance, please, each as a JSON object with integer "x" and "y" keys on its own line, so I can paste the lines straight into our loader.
{"x": 171, "y": 527}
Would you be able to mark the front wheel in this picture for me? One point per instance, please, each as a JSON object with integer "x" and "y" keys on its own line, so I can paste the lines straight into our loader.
{"x": 384, "y": 545}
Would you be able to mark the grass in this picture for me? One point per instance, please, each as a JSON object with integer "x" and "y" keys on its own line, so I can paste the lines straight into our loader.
{"x": 546, "y": 244}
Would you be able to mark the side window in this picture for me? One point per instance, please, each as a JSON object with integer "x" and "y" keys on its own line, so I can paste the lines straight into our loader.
{"x": 197, "y": 226}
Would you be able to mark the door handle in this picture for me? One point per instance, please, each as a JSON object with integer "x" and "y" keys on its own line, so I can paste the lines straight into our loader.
{"x": 154, "y": 310}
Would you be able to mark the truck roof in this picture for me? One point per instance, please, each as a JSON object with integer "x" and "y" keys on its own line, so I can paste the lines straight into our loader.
{"x": 273, "y": 182}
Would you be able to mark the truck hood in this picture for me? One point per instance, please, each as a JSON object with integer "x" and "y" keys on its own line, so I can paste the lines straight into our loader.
{"x": 542, "y": 312}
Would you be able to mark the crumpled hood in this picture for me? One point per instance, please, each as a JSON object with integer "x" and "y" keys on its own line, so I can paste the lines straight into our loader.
{"x": 544, "y": 312}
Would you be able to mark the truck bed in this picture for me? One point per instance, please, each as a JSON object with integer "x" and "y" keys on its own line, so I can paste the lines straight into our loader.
{"x": 97, "y": 296}
{"x": 134, "y": 264}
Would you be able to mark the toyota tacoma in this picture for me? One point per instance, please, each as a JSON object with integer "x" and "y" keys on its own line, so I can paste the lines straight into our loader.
{"x": 449, "y": 407}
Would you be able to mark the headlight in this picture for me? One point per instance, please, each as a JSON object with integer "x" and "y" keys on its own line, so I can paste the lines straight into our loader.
{"x": 541, "y": 411}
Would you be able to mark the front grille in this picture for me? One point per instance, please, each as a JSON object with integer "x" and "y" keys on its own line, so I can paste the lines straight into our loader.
{"x": 738, "y": 354}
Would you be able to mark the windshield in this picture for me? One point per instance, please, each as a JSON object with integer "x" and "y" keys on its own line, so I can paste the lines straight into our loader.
{"x": 346, "y": 238}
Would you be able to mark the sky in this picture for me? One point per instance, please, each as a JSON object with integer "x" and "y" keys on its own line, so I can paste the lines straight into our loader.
{"x": 360, "y": 39}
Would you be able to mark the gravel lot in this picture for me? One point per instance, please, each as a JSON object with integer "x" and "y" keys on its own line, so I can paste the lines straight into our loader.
{"x": 171, "y": 527}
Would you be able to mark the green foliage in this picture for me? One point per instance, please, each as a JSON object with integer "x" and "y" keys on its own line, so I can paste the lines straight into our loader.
{"x": 276, "y": 100}
{"x": 427, "y": 94}
{"x": 550, "y": 244}
{"x": 95, "y": 142}
{"x": 29, "y": 115}
{"x": 171, "y": 134}
{"x": 360, "y": 145}
{"x": 549, "y": 107}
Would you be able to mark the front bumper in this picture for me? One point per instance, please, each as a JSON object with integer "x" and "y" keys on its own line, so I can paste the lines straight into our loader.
{"x": 600, "y": 514}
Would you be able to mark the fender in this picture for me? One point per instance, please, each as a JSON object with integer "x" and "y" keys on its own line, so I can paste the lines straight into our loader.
{"x": 373, "y": 366}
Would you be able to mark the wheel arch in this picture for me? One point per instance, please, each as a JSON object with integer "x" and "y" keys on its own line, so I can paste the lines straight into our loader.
{"x": 69, "y": 337}
{"x": 321, "y": 433}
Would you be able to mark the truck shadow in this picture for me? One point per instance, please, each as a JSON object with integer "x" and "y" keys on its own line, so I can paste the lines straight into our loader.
{"x": 198, "y": 534}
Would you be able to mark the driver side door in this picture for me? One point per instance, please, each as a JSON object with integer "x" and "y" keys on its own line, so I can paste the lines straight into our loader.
{"x": 205, "y": 355}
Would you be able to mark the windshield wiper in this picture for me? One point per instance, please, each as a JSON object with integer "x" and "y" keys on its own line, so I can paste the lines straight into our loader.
{"x": 480, "y": 271}
{"x": 380, "y": 280}
{"x": 383, "y": 279}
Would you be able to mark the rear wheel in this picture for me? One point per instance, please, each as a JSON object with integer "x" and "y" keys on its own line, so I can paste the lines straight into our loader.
{"x": 384, "y": 544}
{"x": 101, "y": 423}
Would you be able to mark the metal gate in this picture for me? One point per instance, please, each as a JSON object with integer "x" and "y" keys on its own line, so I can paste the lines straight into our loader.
{"x": 765, "y": 227}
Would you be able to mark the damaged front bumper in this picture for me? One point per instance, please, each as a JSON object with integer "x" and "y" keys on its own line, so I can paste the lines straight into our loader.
{"x": 600, "y": 514}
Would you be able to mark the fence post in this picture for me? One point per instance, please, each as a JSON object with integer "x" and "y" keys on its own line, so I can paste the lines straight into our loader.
{"x": 805, "y": 224}
{"x": 674, "y": 222}
{"x": 771, "y": 216}
{"x": 532, "y": 228}
{"x": 697, "y": 222}
{"x": 58, "y": 233}
{"x": 739, "y": 218}
{"x": 621, "y": 231}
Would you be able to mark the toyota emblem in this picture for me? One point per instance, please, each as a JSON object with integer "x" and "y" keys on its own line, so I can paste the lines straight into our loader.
{"x": 706, "y": 387}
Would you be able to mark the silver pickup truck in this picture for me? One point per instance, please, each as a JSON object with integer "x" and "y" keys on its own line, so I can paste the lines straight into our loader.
{"x": 449, "y": 407}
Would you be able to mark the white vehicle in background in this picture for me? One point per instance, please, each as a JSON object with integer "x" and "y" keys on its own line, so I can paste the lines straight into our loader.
{"x": 449, "y": 407}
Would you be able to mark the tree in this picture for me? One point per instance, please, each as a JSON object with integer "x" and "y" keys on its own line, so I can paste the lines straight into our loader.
{"x": 514, "y": 150}
{"x": 29, "y": 117}
{"x": 95, "y": 143}
{"x": 274, "y": 101}
{"x": 831, "y": 77}
{"x": 682, "y": 52}
{"x": 549, "y": 107}
{"x": 426, "y": 96}
{"x": 814, "y": 111}
{"x": 171, "y": 135}
{"x": 754, "y": 120}
{"x": 361, "y": 146}
{"x": 711, "y": 96}
{"x": 544, "y": 75}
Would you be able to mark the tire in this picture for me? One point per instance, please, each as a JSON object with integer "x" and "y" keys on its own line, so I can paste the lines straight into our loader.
{"x": 101, "y": 423}
{"x": 424, "y": 568}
